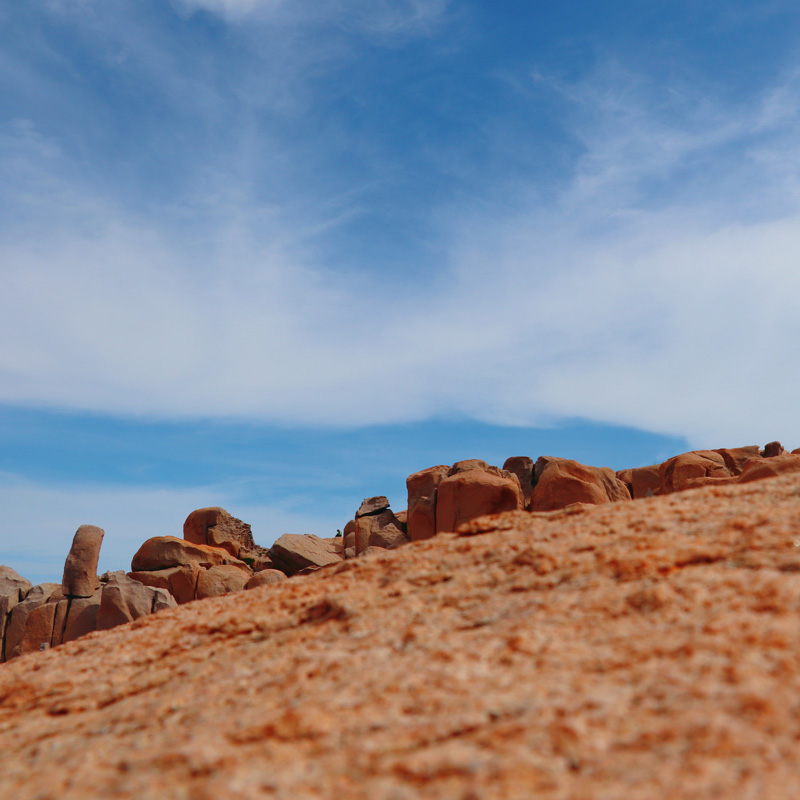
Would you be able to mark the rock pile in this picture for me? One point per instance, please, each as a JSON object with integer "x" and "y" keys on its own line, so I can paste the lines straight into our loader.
{"x": 218, "y": 555}
{"x": 635, "y": 650}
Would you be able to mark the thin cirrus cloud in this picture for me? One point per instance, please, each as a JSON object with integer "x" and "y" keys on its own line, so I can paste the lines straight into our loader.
{"x": 655, "y": 282}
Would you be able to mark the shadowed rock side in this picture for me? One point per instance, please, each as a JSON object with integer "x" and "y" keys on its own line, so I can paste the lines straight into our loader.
{"x": 626, "y": 650}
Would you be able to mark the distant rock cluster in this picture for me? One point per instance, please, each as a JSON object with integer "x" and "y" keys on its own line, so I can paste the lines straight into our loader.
{"x": 218, "y": 555}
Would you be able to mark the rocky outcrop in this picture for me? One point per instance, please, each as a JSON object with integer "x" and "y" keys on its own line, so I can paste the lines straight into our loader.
{"x": 265, "y": 577}
{"x": 80, "y": 569}
{"x": 560, "y": 482}
{"x": 294, "y": 552}
{"x": 124, "y": 600}
{"x": 470, "y": 493}
{"x": 641, "y": 481}
{"x": 188, "y": 571}
{"x": 13, "y": 590}
{"x": 16, "y": 629}
{"x": 634, "y": 650}
{"x": 422, "y": 491}
{"x": 215, "y": 527}
{"x": 522, "y": 467}
{"x": 695, "y": 469}
{"x": 770, "y": 467}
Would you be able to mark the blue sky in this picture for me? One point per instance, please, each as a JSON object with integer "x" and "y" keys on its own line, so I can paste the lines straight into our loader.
{"x": 276, "y": 255}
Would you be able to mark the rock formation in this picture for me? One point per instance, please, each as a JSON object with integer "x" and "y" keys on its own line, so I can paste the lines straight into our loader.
{"x": 641, "y": 650}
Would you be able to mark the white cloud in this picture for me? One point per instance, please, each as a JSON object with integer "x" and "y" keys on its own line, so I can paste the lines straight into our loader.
{"x": 659, "y": 289}
{"x": 49, "y": 516}
{"x": 371, "y": 17}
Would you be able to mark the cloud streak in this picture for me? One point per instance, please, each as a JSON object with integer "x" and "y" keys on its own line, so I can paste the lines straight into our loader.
{"x": 655, "y": 286}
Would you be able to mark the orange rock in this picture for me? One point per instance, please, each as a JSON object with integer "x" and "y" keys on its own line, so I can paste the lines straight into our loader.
{"x": 522, "y": 467}
{"x": 683, "y": 471}
{"x": 38, "y": 633}
{"x": 13, "y": 590}
{"x": 264, "y": 578}
{"x": 293, "y": 552}
{"x": 372, "y": 505}
{"x": 772, "y": 449}
{"x": 82, "y": 617}
{"x": 561, "y": 482}
{"x": 215, "y": 527}
{"x": 18, "y": 621}
{"x": 124, "y": 600}
{"x": 769, "y": 467}
{"x": 625, "y": 650}
{"x": 219, "y": 580}
{"x": 472, "y": 493}
{"x": 162, "y": 552}
{"x": 80, "y": 569}
{"x": 422, "y": 487}
{"x": 180, "y": 582}
{"x": 736, "y": 457}
{"x": 641, "y": 481}
{"x": 378, "y": 530}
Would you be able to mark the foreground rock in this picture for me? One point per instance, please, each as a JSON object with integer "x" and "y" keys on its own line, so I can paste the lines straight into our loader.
{"x": 625, "y": 650}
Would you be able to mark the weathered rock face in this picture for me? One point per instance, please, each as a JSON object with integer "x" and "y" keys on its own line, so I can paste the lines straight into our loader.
{"x": 378, "y": 530}
{"x": 692, "y": 470}
{"x": 735, "y": 458}
{"x": 163, "y": 552}
{"x": 770, "y": 466}
{"x": 124, "y": 600}
{"x": 561, "y": 482}
{"x": 468, "y": 494}
{"x": 220, "y": 580}
{"x": 180, "y": 582}
{"x": 522, "y": 467}
{"x": 80, "y": 569}
{"x": 626, "y": 650}
{"x": 293, "y": 552}
{"x": 215, "y": 527}
{"x": 13, "y": 590}
{"x": 421, "y": 515}
{"x": 82, "y": 617}
{"x": 18, "y": 621}
{"x": 372, "y": 505}
{"x": 264, "y": 578}
{"x": 641, "y": 481}
{"x": 773, "y": 449}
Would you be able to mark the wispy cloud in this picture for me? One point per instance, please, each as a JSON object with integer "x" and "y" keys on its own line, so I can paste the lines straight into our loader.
{"x": 656, "y": 286}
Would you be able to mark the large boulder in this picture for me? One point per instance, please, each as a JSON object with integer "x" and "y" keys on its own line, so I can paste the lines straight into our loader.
{"x": 522, "y": 467}
{"x": 180, "y": 582}
{"x": 264, "y": 578}
{"x": 13, "y": 590}
{"x": 80, "y": 569}
{"x": 422, "y": 488}
{"x": 18, "y": 621}
{"x": 163, "y": 552}
{"x": 379, "y": 530}
{"x": 472, "y": 493}
{"x": 293, "y": 552}
{"x": 124, "y": 600}
{"x": 219, "y": 580}
{"x": 81, "y": 617}
{"x": 736, "y": 457}
{"x": 561, "y": 482}
{"x": 215, "y": 527}
{"x": 372, "y": 505}
{"x": 641, "y": 481}
{"x": 770, "y": 466}
{"x": 695, "y": 469}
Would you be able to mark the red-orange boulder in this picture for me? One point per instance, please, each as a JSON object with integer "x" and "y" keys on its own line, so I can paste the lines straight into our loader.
{"x": 422, "y": 487}
{"x": 162, "y": 552}
{"x": 560, "y": 482}
{"x": 691, "y": 470}
{"x": 769, "y": 467}
{"x": 469, "y": 494}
